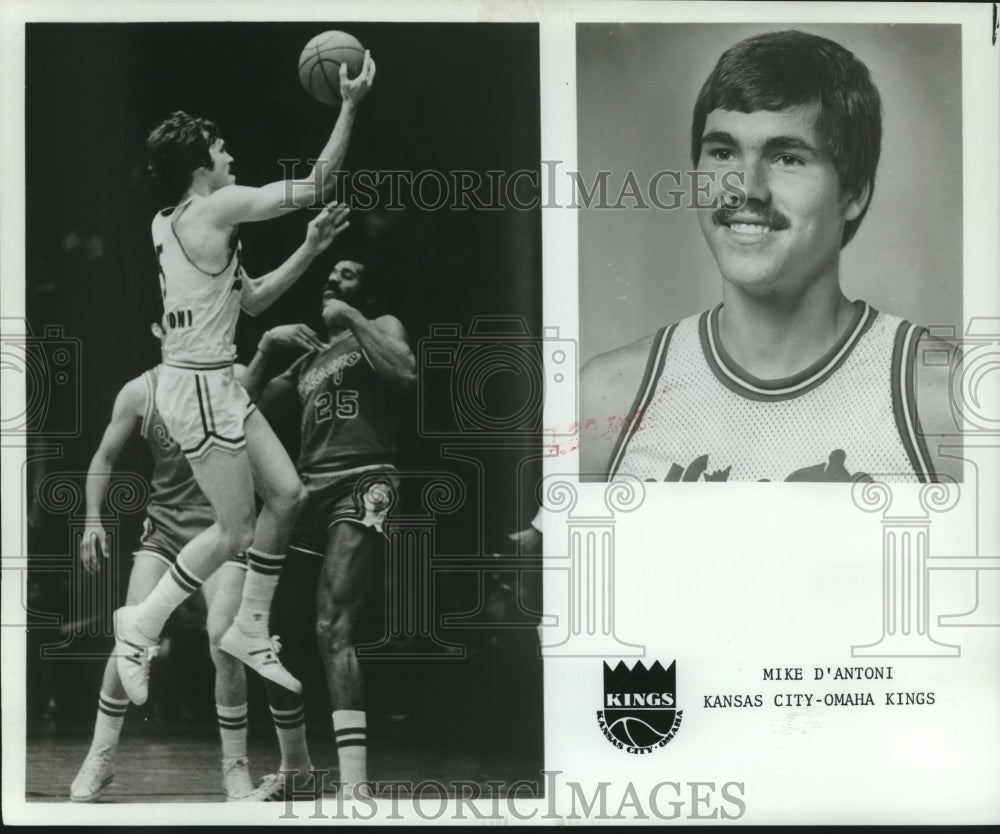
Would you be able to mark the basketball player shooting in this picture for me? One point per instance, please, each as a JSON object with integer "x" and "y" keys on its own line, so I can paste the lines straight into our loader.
{"x": 786, "y": 379}
{"x": 230, "y": 447}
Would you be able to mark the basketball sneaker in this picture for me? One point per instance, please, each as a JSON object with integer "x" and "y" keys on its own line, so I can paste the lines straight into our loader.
{"x": 133, "y": 653}
{"x": 260, "y": 654}
{"x": 268, "y": 787}
{"x": 95, "y": 775}
{"x": 303, "y": 785}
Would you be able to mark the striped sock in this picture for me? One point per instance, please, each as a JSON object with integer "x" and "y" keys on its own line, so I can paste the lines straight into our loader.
{"x": 349, "y": 728}
{"x": 108, "y": 726}
{"x": 290, "y": 725}
{"x": 232, "y": 730}
{"x": 263, "y": 570}
{"x": 175, "y": 586}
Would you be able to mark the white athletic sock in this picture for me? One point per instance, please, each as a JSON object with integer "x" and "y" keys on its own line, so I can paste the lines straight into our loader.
{"x": 290, "y": 725}
{"x": 232, "y": 730}
{"x": 108, "y": 726}
{"x": 263, "y": 570}
{"x": 175, "y": 586}
{"x": 350, "y": 730}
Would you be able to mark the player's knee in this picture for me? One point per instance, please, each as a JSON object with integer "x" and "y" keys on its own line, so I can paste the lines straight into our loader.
{"x": 228, "y": 670}
{"x": 236, "y": 537}
{"x": 216, "y": 627}
{"x": 297, "y": 497}
{"x": 333, "y": 631}
{"x": 290, "y": 500}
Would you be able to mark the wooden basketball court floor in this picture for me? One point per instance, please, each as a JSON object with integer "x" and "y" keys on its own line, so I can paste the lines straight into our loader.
{"x": 177, "y": 761}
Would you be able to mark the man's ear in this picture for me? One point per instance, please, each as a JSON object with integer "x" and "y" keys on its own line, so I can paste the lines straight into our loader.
{"x": 855, "y": 206}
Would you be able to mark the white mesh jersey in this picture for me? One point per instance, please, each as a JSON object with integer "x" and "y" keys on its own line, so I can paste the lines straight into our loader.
{"x": 699, "y": 417}
{"x": 200, "y": 308}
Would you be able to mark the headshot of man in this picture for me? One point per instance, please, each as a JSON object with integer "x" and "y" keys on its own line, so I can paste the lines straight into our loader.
{"x": 787, "y": 377}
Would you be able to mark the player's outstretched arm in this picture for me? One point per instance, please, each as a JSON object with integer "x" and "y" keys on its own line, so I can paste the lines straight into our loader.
{"x": 125, "y": 416}
{"x": 383, "y": 341}
{"x": 260, "y": 293}
{"x": 236, "y": 204}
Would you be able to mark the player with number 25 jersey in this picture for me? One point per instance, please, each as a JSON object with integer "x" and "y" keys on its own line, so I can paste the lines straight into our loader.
{"x": 348, "y": 412}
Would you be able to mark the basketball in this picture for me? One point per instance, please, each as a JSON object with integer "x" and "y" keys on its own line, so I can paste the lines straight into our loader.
{"x": 319, "y": 64}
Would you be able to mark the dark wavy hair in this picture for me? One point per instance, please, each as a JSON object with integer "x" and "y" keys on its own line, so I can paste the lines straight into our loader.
{"x": 777, "y": 70}
{"x": 175, "y": 149}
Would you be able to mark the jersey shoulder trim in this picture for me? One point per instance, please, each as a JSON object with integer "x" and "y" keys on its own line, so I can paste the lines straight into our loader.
{"x": 904, "y": 400}
{"x": 737, "y": 380}
{"x": 647, "y": 387}
{"x": 234, "y": 246}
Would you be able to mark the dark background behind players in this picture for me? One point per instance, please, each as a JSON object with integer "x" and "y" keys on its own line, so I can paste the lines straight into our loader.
{"x": 94, "y": 91}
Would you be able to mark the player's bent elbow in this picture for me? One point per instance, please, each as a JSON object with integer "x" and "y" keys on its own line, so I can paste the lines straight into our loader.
{"x": 251, "y": 302}
{"x": 248, "y": 303}
{"x": 101, "y": 464}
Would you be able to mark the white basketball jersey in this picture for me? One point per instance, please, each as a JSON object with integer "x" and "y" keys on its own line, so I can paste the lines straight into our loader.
{"x": 200, "y": 308}
{"x": 699, "y": 417}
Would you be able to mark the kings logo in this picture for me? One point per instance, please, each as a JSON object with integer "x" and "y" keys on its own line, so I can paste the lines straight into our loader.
{"x": 640, "y": 706}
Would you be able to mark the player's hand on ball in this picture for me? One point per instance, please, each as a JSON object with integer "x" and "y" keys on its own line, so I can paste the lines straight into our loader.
{"x": 326, "y": 225}
{"x": 352, "y": 90}
{"x": 291, "y": 336}
{"x": 94, "y": 544}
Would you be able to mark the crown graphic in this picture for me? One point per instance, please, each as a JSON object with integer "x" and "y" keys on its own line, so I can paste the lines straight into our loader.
{"x": 621, "y": 679}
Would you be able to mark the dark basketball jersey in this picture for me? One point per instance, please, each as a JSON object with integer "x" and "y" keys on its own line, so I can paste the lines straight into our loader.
{"x": 349, "y": 415}
{"x": 172, "y": 483}
{"x": 700, "y": 417}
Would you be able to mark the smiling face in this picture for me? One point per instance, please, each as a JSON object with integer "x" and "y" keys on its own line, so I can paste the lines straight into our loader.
{"x": 786, "y": 235}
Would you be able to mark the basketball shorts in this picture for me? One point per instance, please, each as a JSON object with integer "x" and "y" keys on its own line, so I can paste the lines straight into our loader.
{"x": 362, "y": 496}
{"x": 166, "y": 529}
{"x": 203, "y": 410}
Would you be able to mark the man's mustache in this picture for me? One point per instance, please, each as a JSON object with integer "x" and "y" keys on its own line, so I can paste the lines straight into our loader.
{"x": 752, "y": 211}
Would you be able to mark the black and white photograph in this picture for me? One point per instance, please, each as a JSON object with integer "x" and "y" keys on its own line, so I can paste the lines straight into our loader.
{"x": 357, "y": 357}
{"x": 259, "y": 561}
{"x": 762, "y": 274}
